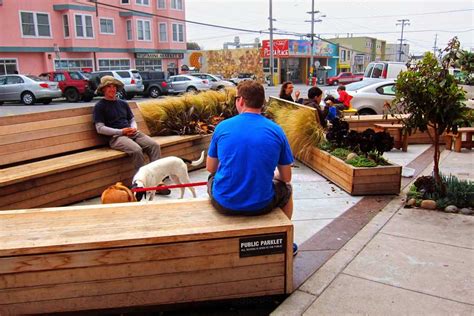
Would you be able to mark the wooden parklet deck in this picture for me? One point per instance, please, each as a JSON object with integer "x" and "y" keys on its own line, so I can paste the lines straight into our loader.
{"x": 120, "y": 255}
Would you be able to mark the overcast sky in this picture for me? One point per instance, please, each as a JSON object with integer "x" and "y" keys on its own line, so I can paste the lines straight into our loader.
{"x": 374, "y": 18}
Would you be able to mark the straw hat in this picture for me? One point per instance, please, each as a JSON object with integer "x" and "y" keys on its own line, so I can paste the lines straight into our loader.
{"x": 107, "y": 80}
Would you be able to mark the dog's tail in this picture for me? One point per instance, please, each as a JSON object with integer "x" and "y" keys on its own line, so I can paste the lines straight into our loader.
{"x": 195, "y": 162}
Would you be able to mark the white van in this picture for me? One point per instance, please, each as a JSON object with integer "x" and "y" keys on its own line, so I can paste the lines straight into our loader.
{"x": 384, "y": 69}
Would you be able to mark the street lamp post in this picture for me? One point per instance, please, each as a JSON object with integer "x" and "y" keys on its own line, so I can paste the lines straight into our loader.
{"x": 311, "y": 61}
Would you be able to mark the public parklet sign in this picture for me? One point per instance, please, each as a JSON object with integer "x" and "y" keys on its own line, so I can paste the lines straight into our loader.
{"x": 262, "y": 245}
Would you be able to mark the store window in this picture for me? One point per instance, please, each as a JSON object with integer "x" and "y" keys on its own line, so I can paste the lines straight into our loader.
{"x": 149, "y": 64}
{"x": 114, "y": 64}
{"x": 74, "y": 64}
{"x": 8, "y": 66}
{"x": 266, "y": 65}
{"x": 34, "y": 24}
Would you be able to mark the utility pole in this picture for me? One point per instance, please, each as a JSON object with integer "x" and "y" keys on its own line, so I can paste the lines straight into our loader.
{"x": 271, "y": 46}
{"x": 435, "y": 48}
{"x": 403, "y": 23}
{"x": 311, "y": 60}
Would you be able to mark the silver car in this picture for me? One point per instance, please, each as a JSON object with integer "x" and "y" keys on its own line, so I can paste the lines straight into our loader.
{"x": 216, "y": 82}
{"x": 28, "y": 89}
{"x": 188, "y": 83}
{"x": 369, "y": 95}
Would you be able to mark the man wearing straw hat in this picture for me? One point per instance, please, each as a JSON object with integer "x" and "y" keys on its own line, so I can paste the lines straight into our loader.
{"x": 114, "y": 119}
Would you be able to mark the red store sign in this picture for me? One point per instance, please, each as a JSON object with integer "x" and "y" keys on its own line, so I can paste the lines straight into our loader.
{"x": 280, "y": 48}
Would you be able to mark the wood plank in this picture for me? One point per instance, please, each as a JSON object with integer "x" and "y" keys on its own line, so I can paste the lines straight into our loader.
{"x": 146, "y": 283}
{"x": 175, "y": 295}
{"x": 43, "y": 116}
{"x": 378, "y": 179}
{"x": 378, "y": 171}
{"x": 99, "y": 226}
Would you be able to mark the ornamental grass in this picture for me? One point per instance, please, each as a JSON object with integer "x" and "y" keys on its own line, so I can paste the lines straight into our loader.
{"x": 189, "y": 114}
{"x": 300, "y": 124}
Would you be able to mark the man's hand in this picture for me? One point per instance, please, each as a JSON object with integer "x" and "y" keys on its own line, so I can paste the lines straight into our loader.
{"x": 129, "y": 131}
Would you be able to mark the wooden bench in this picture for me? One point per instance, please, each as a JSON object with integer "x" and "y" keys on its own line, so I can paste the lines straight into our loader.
{"x": 401, "y": 136}
{"x": 120, "y": 255}
{"x": 457, "y": 139}
{"x": 57, "y": 158}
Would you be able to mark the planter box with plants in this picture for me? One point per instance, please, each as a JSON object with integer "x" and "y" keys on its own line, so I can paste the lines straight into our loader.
{"x": 350, "y": 159}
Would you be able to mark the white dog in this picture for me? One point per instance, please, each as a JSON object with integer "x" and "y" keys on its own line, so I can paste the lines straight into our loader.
{"x": 152, "y": 174}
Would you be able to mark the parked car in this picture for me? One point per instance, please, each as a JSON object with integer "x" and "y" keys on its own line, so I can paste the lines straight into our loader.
{"x": 155, "y": 83}
{"x": 188, "y": 83}
{"x": 73, "y": 84}
{"x": 133, "y": 84}
{"x": 344, "y": 78}
{"x": 28, "y": 89}
{"x": 242, "y": 77}
{"x": 216, "y": 82}
{"x": 384, "y": 69}
{"x": 369, "y": 95}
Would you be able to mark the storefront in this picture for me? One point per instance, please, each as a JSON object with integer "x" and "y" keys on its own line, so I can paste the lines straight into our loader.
{"x": 168, "y": 62}
{"x": 292, "y": 59}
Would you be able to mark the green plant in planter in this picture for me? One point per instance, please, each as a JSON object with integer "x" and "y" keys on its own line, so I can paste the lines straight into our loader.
{"x": 341, "y": 153}
{"x": 432, "y": 98}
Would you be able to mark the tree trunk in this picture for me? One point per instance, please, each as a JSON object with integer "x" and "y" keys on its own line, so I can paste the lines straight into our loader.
{"x": 436, "y": 157}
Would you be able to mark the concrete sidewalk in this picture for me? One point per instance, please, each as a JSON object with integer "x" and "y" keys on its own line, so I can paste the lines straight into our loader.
{"x": 404, "y": 261}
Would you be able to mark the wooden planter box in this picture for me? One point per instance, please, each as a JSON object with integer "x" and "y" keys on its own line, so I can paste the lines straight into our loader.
{"x": 363, "y": 122}
{"x": 355, "y": 180}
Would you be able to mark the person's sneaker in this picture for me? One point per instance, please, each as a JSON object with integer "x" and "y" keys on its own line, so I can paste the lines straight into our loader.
{"x": 295, "y": 249}
{"x": 163, "y": 192}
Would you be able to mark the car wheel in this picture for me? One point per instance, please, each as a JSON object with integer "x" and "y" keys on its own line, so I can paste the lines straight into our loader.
{"x": 335, "y": 83}
{"x": 366, "y": 112}
{"x": 72, "y": 95}
{"x": 120, "y": 95}
{"x": 191, "y": 89}
{"x": 154, "y": 92}
{"x": 28, "y": 98}
{"x": 46, "y": 101}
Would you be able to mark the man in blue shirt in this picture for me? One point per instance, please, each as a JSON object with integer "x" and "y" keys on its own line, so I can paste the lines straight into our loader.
{"x": 250, "y": 160}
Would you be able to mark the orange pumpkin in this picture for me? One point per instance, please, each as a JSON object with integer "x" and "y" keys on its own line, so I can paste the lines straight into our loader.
{"x": 117, "y": 193}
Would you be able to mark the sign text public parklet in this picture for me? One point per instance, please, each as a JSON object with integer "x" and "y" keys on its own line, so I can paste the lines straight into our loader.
{"x": 262, "y": 245}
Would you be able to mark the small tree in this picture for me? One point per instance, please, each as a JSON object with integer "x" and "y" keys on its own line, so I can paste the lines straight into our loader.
{"x": 432, "y": 98}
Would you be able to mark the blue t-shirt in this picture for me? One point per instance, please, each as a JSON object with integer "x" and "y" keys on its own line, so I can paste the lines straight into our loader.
{"x": 249, "y": 147}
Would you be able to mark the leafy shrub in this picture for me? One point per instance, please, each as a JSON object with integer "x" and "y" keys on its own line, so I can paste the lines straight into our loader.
{"x": 341, "y": 153}
{"x": 361, "y": 161}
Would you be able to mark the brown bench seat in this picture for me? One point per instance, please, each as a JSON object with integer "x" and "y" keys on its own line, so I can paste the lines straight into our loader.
{"x": 121, "y": 255}
{"x": 56, "y": 158}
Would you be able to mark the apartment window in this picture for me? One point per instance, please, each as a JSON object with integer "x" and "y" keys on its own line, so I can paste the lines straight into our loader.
{"x": 177, "y": 4}
{"x": 163, "y": 32}
{"x": 343, "y": 55}
{"x": 8, "y": 66}
{"x": 129, "y": 30}
{"x": 66, "y": 25}
{"x": 125, "y": 1}
{"x": 143, "y": 30}
{"x": 84, "y": 27}
{"x": 107, "y": 26}
{"x": 143, "y": 2}
{"x": 178, "y": 33}
{"x": 161, "y": 4}
{"x": 35, "y": 24}
{"x": 73, "y": 64}
{"x": 114, "y": 64}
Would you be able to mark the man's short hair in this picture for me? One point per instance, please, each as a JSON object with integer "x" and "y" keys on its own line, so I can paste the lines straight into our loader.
{"x": 314, "y": 92}
{"x": 252, "y": 92}
{"x": 341, "y": 87}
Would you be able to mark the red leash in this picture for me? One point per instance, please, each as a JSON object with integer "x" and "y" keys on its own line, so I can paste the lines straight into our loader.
{"x": 164, "y": 187}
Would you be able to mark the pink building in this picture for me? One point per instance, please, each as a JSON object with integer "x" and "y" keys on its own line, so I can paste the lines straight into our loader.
{"x": 47, "y": 35}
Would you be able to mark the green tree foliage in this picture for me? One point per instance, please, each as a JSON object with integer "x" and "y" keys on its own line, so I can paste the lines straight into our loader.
{"x": 192, "y": 46}
{"x": 432, "y": 97}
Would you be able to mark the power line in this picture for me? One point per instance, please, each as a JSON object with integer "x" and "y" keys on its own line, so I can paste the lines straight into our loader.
{"x": 391, "y": 16}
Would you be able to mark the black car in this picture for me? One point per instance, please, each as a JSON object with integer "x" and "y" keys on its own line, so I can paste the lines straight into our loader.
{"x": 155, "y": 83}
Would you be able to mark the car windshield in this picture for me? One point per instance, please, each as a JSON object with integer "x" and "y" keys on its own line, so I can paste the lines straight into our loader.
{"x": 358, "y": 85}
{"x": 35, "y": 78}
{"x": 76, "y": 75}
